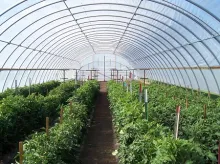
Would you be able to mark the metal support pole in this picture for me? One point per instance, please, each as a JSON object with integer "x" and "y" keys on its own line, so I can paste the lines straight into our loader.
{"x": 91, "y": 75}
{"x": 126, "y": 74}
{"x": 144, "y": 77}
{"x": 140, "y": 92}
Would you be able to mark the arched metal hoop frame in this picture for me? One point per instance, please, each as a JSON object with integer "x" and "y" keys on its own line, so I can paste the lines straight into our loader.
{"x": 137, "y": 43}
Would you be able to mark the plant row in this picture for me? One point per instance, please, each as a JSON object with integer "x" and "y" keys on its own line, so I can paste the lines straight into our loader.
{"x": 20, "y": 116}
{"x": 147, "y": 142}
{"x": 199, "y": 116}
{"x": 42, "y": 89}
{"x": 62, "y": 144}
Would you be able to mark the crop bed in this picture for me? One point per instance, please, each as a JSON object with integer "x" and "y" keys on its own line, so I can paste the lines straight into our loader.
{"x": 152, "y": 141}
{"x": 62, "y": 143}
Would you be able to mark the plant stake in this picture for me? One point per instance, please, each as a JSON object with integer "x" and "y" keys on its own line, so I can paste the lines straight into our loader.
{"x": 146, "y": 103}
{"x": 21, "y": 152}
{"x": 140, "y": 92}
{"x": 131, "y": 87}
{"x": 47, "y": 126}
{"x": 61, "y": 115}
{"x": 71, "y": 106}
{"x": 205, "y": 108}
{"x": 209, "y": 94}
{"x": 177, "y": 122}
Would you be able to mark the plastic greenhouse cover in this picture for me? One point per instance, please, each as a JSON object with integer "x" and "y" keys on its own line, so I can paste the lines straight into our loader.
{"x": 166, "y": 35}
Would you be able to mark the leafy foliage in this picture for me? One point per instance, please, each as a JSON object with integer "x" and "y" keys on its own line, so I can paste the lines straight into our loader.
{"x": 147, "y": 142}
{"x": 20, "y": 116}
{"x": 42, "y": 89}
{"x": 63, "y": 144}
{"x": 194, "y": 124}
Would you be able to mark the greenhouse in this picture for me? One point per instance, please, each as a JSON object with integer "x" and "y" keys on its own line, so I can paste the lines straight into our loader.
{"x": 109, "y": 81}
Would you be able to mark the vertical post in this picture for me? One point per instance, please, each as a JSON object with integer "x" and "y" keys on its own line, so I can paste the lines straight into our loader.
{"x": 64, "y": 75}
{"x": 104, "y": 68}
{"x": 205, "y": 108}
{"x": 209, "y": 94}
{"x": 144, "y": 78}
{"x": 140, "y": 92}
{"x": 91, "y": 75}
{"x": 177, "y": 121}
{"x": 21, "y": 152}
{"x": 61, "y": 115}
{"x": 29, "y": 86}
{"x": 126, "y": 75}
{"x": 146, "y": 104}
{"x": 131, "y": 87}
{"x": 88, "y": 77}
{"x": 47, "y": 126}
{"x": 76, "y": 77}
{"x": 133, "y": 75}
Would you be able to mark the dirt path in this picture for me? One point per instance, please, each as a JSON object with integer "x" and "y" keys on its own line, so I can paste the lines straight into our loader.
{"x": 99, "y": 143}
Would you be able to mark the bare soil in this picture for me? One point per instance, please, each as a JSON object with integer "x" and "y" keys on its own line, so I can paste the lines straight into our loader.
{"x": 99, "y": 143}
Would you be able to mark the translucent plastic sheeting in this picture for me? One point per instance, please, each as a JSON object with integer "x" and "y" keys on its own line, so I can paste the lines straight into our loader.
{"x": 168, "y": 34}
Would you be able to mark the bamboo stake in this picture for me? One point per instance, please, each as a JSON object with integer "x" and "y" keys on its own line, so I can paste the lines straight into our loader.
{"x": 21, "y": 152}
{"x": 47, "y": 126}
{"x": 61, "y": 115}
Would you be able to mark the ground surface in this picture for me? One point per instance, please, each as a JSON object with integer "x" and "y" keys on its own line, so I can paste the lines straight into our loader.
{"x": 99, "y": 143}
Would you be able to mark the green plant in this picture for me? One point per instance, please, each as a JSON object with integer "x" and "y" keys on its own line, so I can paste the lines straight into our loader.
{"x": 63, "y": 143}
{"x": 20, "y": 116}
{"x": 144, "y": 141}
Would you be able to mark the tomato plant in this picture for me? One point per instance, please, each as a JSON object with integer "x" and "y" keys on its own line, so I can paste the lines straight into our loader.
{"x": 64, "y": 140}
{"x": 20, "y": 116}
{"x": 142, "y": 141}
{"x": 195, "y": 124}
{"x": 42, "y": 89}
